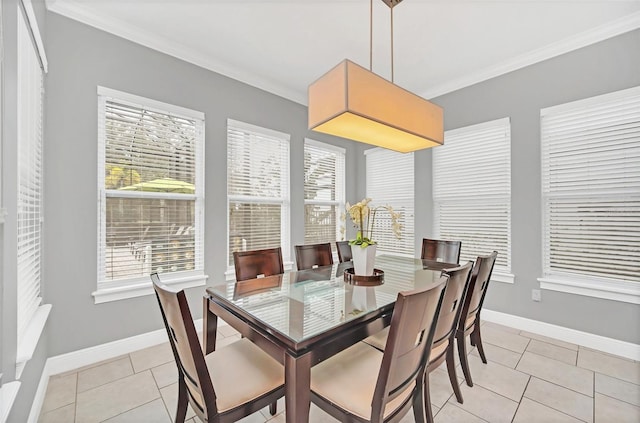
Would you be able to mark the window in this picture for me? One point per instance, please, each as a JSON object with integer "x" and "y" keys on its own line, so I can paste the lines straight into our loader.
{"x": 151, "y": 194}
{"x": 29, "y": 178}
{"x": 257, "y": 189}
{"x": 591, "y": 196}
{"x": 390, "y": 181}
{"x": 324, "y": 167}
{"x": 472, "y": 192}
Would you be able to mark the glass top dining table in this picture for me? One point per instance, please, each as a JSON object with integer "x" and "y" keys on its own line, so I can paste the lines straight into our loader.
{"x": 303, "y": 317}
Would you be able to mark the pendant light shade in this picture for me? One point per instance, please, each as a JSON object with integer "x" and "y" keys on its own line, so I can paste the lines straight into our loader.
{"x": 351, "y": 102}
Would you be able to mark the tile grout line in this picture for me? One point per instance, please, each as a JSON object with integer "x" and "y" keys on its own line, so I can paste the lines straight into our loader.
{"x": 593, "y": 408}
{"x": 467, "y": 411}
{"x": 521, "y": 398}
{"x": 75, "y": 403}
{"x": 555, "y": 409}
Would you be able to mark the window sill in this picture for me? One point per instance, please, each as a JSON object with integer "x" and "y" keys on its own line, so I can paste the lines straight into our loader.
{"x": 8, "y": 393}
{"x": 141, "y": 289}
{"x": 32, "y": 334}
{"x": 503, "y": 277}
{"x": 611, "y": 290}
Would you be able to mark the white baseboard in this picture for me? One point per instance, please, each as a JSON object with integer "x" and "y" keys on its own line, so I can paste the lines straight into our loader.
{"x": 76, "y": 359}
{"x": 585, "y": 339}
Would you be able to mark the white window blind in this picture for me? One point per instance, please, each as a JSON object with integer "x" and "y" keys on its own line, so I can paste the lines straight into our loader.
{"x": 472, "y": 190}
{"x": 324, "y": 168}
{"x": 591, "y": 188}
{"x": 151, "y": 190}
{"x": 29, "y": 212}
{"x": 257, "y": 189}
{"x": 390, "y": 181}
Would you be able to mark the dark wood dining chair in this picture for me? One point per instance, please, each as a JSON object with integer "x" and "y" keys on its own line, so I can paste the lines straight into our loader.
{"x": 470, "y": 317}
{"x": 443, "y": 348}
{"x": 255, "y": 263}
{"x": 262, "y": 377}
{"x": 363, "y": 384}
{"x": 314, "y": 255}
{"x": 344, "y": 251}
{"x": 441, "y": 250}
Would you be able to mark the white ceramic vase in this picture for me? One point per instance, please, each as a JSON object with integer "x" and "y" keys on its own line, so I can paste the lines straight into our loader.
{"x": 363, "y": 259}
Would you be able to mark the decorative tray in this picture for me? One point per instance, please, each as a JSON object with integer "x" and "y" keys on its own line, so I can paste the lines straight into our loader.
{"x": 374, "y": 280}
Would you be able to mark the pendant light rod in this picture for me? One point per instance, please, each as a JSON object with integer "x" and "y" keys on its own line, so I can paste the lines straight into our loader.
{"x": 370, "y": 35}
{"x": 392, "y": 44}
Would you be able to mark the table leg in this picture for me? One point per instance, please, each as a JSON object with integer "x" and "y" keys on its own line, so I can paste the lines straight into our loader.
{"x": 210, "y": 329}
{"x": 297, "y": 385}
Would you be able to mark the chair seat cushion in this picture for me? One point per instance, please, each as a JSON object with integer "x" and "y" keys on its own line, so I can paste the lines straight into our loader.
{"x": 436, "y": 351}
{"x": 349, "y": 378}
{"x": 378, "y": 340}
{"x": 241, "y": 372}
{"x": 469, "y": 322}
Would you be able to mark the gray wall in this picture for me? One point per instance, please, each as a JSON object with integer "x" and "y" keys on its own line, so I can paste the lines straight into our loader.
{"x": 81, "y": 58}
{"x": 604, "y": 67}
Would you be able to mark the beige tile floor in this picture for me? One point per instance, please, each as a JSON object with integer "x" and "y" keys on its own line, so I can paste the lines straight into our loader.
{"x": 529, "y": 378}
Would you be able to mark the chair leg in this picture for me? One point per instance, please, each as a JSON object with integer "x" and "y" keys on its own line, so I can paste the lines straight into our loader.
{"x": 453, "y": 378}
{"x": 273, "y": 408}
{"x": 475, "y": 336}
{"x": 183, "y": 402}
{"x": 462, "y": 352}
{"x": 427, "y": 401}
{"x": 418, "y": 401}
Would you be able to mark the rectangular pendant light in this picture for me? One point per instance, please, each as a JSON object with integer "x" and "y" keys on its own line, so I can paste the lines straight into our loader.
{"x": 352, "y": 102}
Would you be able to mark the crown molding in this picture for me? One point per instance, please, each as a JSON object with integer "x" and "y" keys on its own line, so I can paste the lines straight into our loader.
{"x": 78, "y": 12}
{"x": 592, "y": 36}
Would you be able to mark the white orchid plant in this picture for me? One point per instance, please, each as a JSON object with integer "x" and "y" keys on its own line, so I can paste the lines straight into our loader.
{"x": 364, "y": 217}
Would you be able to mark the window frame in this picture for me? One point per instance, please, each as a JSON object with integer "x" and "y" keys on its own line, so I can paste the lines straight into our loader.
{"x": 502, "y": 198}
{"x": 284, "y": 201}
{"x": 141, "y": 285}
{"x": 340, "y": 187}
{"x": 587, "y": 285}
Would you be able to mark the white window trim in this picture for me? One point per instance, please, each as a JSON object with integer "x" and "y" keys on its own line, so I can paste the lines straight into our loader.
{"x": 108, "y": 291}
{"x": 33, "y": 330}
{"x": 609, "y": 289}
{"x": 8, "y": 393}
{"x": 503, "y": 277}
{"x": 598, "y": 288}
{"x": 28, "y": 345}
{"x": 32, "y": 22}
{"x": 285, "y": 202}
{"x": 140, "y": 287}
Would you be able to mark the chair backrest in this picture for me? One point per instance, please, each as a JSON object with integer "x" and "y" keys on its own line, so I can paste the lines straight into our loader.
{"x": 192, "y": 368}
{"x": 408, "y": 344}
{"x": 344, "y": 251}
{"x": 452, "y": 303}
{"x": 251, "y": 264}
{"x": 478, "y": 285}
{"x": 441, "y": 250}
{"x": 315, "y": 255}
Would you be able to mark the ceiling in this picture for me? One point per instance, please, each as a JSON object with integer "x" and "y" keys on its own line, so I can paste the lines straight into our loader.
{"x": 283, "y": 45}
